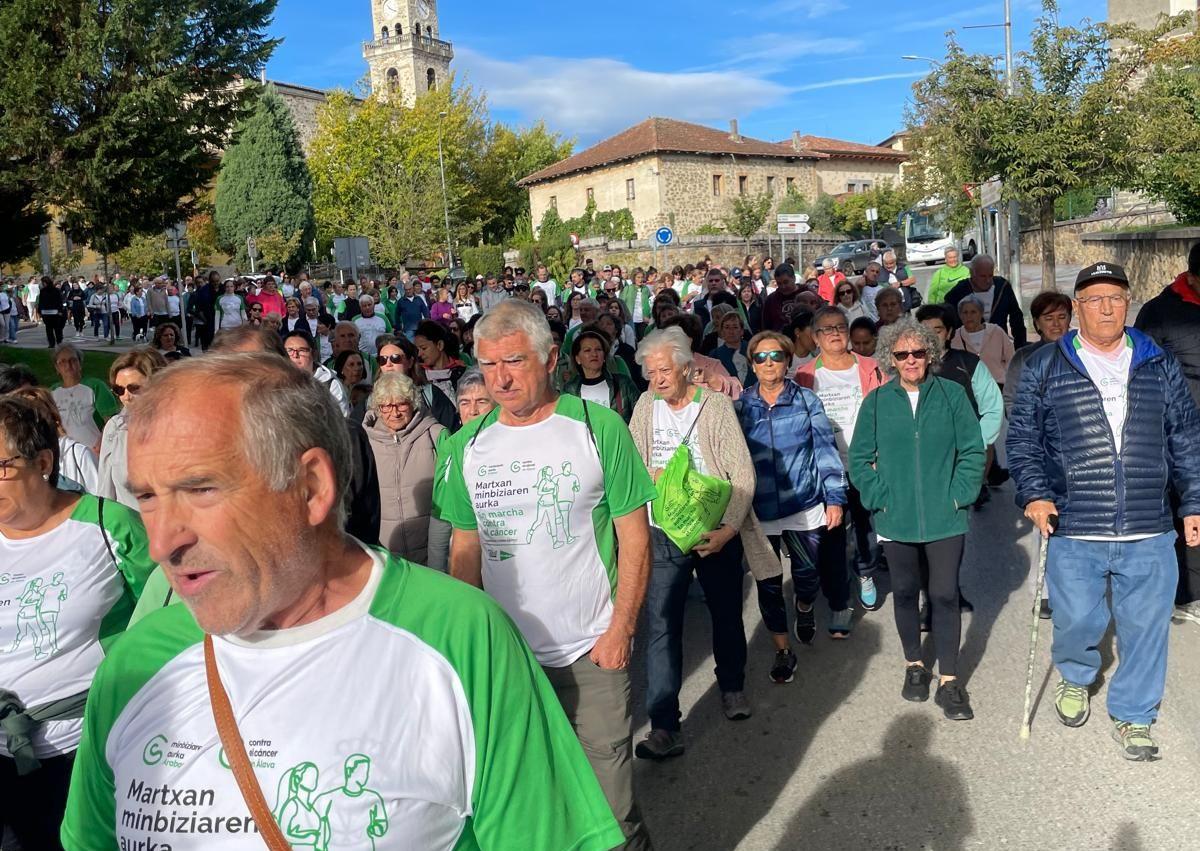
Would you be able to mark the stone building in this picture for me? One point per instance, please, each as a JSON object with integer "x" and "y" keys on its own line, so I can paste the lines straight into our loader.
{"x": 669, "y": 172}
{"x": 1145, "y": 13}
{"x": 406, "y": 57}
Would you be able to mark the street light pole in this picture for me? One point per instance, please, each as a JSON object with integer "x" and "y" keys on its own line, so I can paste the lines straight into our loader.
{"x": 1014, "y": 209}
{"x": 445, "y": 198}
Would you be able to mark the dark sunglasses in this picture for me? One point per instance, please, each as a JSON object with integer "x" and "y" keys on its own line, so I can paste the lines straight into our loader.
{"x": 396, "y": 359}
{"x": 255, "y": 308}
{"x": 919, "y": 354}
{"x": 119, "y": 390}
{"x": 845, "y": 292}
{"x": 775, "y": 355}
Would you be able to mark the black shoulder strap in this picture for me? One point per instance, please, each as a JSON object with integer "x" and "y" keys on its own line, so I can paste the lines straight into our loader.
{"x": 587, "y": 421}
{"x": 696, "y": 421}
{"x": 103, "y": 531}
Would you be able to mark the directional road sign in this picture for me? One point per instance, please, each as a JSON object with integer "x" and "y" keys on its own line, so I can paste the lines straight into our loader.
{"x": 664, "y": 236}
{"x": 792, "y": 218}
{"x": 795, "y": 227}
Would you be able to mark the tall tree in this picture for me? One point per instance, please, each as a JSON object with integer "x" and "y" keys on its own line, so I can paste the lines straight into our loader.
{"x": 264, "y": 188}
{"x": 1066, "y": 125}
{"x": 747, "y": 216}
{"x": 112, "y": 110}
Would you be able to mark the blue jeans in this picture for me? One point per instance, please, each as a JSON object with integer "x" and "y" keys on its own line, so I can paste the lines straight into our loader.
{"x": 720, "y": 576}
{"x": 1143, "y": 575}
{"x": 14, "y": 324}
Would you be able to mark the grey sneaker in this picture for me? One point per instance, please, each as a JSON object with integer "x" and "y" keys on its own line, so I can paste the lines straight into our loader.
{"x": 1187, "y": 612}
{"x": 660, "y": 745}
{"x": 1134, "y": 739}
{"x": 735, "y": 705}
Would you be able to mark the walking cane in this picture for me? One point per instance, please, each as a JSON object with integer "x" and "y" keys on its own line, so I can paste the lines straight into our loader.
{"x": 1052, "y": 520}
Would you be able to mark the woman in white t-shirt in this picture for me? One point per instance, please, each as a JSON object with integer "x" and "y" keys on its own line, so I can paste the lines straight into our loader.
{"x": 591, "y": 379}
{"x": 989, "y": 342}
{"x": 231, "y": 309}
{"x": 69, "y": 591}
{"x": 84, "y": 404}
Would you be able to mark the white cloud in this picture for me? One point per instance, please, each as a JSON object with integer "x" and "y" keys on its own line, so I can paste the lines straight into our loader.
{"x": 808, "y": 8}
{"x": 595, "y": 97}
{"x": 856, "y": 81}
{"x": 781, "y": 50}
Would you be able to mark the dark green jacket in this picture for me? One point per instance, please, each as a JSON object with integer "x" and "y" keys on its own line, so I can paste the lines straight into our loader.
{"x": 918, "y": 475}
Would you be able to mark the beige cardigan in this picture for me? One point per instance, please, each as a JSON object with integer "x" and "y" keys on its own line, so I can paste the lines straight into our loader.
{"x": 723, "y": 448}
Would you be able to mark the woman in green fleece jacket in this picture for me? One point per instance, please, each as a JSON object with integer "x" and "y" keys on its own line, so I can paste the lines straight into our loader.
{"x": 917, "y": 460}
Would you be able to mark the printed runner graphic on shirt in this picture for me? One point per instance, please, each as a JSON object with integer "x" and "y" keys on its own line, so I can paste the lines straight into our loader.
{"x": 37, "y": 617}
{"x": 556, "y": 496}
{"x": 344, "y": 816}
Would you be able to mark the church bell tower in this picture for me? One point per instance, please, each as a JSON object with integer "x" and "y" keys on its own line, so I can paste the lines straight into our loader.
{"x": 406, "y": 56}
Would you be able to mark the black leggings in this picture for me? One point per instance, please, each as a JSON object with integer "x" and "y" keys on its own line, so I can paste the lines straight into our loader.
{"x": 32, "y": 806}
{"x": 905, "y": 562}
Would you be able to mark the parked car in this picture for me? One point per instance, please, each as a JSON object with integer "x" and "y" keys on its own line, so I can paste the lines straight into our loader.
{"x": 851, "y": 258}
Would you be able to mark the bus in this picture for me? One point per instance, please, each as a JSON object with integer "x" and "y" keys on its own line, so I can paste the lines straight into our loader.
{"x": 927, "y": 234}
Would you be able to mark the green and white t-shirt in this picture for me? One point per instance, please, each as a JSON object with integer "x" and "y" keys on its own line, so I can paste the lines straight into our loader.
{"x": 61, "y": 595}
{"x": 543, "y": 498}
{"x": 386, "y": 724}
{"x": 84, "y": 409}
{"x": 231, "y": 311}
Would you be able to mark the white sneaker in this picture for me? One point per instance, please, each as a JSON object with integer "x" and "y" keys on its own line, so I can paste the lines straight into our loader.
{"x": 1187, "y": 612}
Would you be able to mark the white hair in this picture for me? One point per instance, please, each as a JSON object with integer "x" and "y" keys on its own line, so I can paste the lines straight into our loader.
{"x": 889, "y": 255}
{"x": 516, "y": 316}
{"x": 366, "y": 297}
{"x": 674, "y": 340}
{"x": 826, "y": 263}
{"x": 393, "y": 387}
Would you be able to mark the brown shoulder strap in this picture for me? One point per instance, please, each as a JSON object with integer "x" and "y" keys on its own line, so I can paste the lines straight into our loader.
{"x": 235, "y": 752}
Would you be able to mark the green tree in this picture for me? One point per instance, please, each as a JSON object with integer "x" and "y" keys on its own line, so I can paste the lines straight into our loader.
{"x": 747, "y": 215}
{"x": 146, "y": 255}
{"x": 850, "y": 212}
{"x": 821, "y": 213}
{"x": 264, "y": 187}
{"x": 510, "y": 155}
{"x": 111, "y": 111}
{"x": 1066, "y": 125}
{"x": 21, "y": 219}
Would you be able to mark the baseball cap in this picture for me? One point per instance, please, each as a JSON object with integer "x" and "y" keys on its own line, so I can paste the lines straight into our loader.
{"x": 736, "y": 272}
{"x": 1109, "y": 273}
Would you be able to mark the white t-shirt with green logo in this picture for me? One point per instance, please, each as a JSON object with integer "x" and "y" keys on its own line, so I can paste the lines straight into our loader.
{"x": 543, "y": 498}
{"x": 840, "y": 392}
{"x": 61, "y": 595}
{"x": 412, "y": 718}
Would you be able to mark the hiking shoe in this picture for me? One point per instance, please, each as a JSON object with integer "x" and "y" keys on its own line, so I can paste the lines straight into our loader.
{"x": 1072, "y": 703}
{"x": 840, "y": 623}
{"x": 954, "y": 700}
{"x": 868, "y": 595}
{"x": 1187, "y": 612}
{"x": 660, "y": 745}
{"x": 1134, "y": 739}
{"x": 806, "y": 625}
{"x": 916, "y": 684}
{"x": 784, "y": 669}
{"x": 1044, "y": 611}
{"x": 735, "y": 705}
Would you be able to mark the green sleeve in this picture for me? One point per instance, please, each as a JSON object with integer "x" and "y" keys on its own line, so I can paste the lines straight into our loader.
{"x": 864, "y": 453}
{"x": 155, "y": 595}
{"x": 627, "y": 484}
{"x": 90, "y": 821}
{"x": 126, "y": 536}
{"x": 451, "y": 502}
{"x": 106, "y": 403}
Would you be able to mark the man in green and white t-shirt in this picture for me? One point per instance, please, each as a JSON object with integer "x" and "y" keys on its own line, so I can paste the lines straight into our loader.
{"x": 540, "y": 492}
{"x": 370, "y": 719}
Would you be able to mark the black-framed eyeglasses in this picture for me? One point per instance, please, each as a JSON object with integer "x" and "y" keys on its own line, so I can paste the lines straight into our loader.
{"x": 7, "y": 464}
{"x": 833, "y": 329}
{"x": 776, "y": 355}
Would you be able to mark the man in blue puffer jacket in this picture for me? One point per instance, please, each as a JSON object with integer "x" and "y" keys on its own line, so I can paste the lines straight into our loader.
{"x": 1103, "y": 424}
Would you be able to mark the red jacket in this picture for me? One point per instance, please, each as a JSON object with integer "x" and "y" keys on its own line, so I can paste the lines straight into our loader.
{"x": 827, "y": 285}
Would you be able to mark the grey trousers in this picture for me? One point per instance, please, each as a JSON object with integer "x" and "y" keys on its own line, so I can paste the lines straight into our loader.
{"x": 596, "y": 702}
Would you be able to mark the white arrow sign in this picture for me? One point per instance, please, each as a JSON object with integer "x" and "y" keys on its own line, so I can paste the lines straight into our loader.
{"x": 791, "y": 218}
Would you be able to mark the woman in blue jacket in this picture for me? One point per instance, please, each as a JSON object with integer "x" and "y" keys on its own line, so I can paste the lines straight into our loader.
{"x": 800, "y": 492}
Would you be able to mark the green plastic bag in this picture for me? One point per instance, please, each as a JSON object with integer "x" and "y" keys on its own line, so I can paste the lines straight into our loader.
{"x": 689, "y": 503}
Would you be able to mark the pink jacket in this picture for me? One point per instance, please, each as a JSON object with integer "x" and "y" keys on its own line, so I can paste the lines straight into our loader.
{"x": 869, "y": 374}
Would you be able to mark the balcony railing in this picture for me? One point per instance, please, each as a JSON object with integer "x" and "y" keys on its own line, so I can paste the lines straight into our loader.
{"x": 417, "y": 42}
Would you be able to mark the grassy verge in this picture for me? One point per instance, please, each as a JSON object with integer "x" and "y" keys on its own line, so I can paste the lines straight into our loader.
{"x": 95, "y": 364}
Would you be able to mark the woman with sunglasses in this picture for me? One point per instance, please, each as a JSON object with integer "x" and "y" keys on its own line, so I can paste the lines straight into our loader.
{"x": 848, "y": 300}
{"x": 917, "y": 459}
{"x": 127, "y": 376}
{"x": 254, "y": 314}
{"x": 800, "y": 492}
{"x": 842, "y": 379}
{"x": 400, "y": 355}
{"x": 68, "y": 593}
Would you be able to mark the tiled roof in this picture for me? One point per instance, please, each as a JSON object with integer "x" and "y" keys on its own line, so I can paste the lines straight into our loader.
{"x": 666, "y": 135}
{"x": 842, "y": 148}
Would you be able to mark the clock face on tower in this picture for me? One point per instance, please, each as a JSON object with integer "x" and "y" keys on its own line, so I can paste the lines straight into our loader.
{"x": 392, "y": 7}
{"x": 423, "y": 10}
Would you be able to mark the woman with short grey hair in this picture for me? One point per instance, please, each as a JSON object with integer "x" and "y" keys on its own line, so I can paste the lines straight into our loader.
{"x": 474, "y": 401}
{"x": 988, "y": 342}
{"x": 917, "y": 461}
{"x": 404, "y": 439}
{"x": 674, "y": 413}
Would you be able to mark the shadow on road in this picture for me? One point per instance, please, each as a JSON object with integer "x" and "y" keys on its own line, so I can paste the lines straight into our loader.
{"x": 1127, "y": 839}
{"x": 732, "y": 774}
{"x": 903, "y": 799}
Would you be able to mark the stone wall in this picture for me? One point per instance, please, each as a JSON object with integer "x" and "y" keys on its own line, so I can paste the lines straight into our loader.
{"x": 608, "y": 185}
{"x": 729, "y": 251}
{"x": 302, "y": 103}
{"x": 1152, "y": 259}
{"x": 1069, "y": 248}
{"x": 834, "y": 174}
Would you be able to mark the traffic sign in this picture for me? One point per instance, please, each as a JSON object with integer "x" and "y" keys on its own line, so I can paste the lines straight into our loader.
{"x": 251, "y": 245}
{"x": 664, "y": 236}
{"x": 792, "y": 218}
{"x": 795, "y": 227}
{"x": 872, "y": 214}
{"x": 805, "y": 227}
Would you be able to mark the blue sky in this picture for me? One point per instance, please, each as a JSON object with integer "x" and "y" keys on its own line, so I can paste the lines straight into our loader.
{"x": 825, "y": 67}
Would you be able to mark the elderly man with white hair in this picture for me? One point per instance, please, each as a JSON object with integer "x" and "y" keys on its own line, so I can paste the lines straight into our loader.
{"x": 299, "y": 644}
{"x": 547, "y": 497}
{"x": 370, "y": 325}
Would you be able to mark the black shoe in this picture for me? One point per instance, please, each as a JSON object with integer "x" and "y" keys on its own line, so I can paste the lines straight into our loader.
{"x": 955, "y": 703}
{"x": 926, "y": 617}
{"x": 784, "y": 668}
{"x": 806, "y": 625}
{"x": 916, "y": 684}
{"x": 1044, "y": 612}
{"x": 964, "y": 605}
